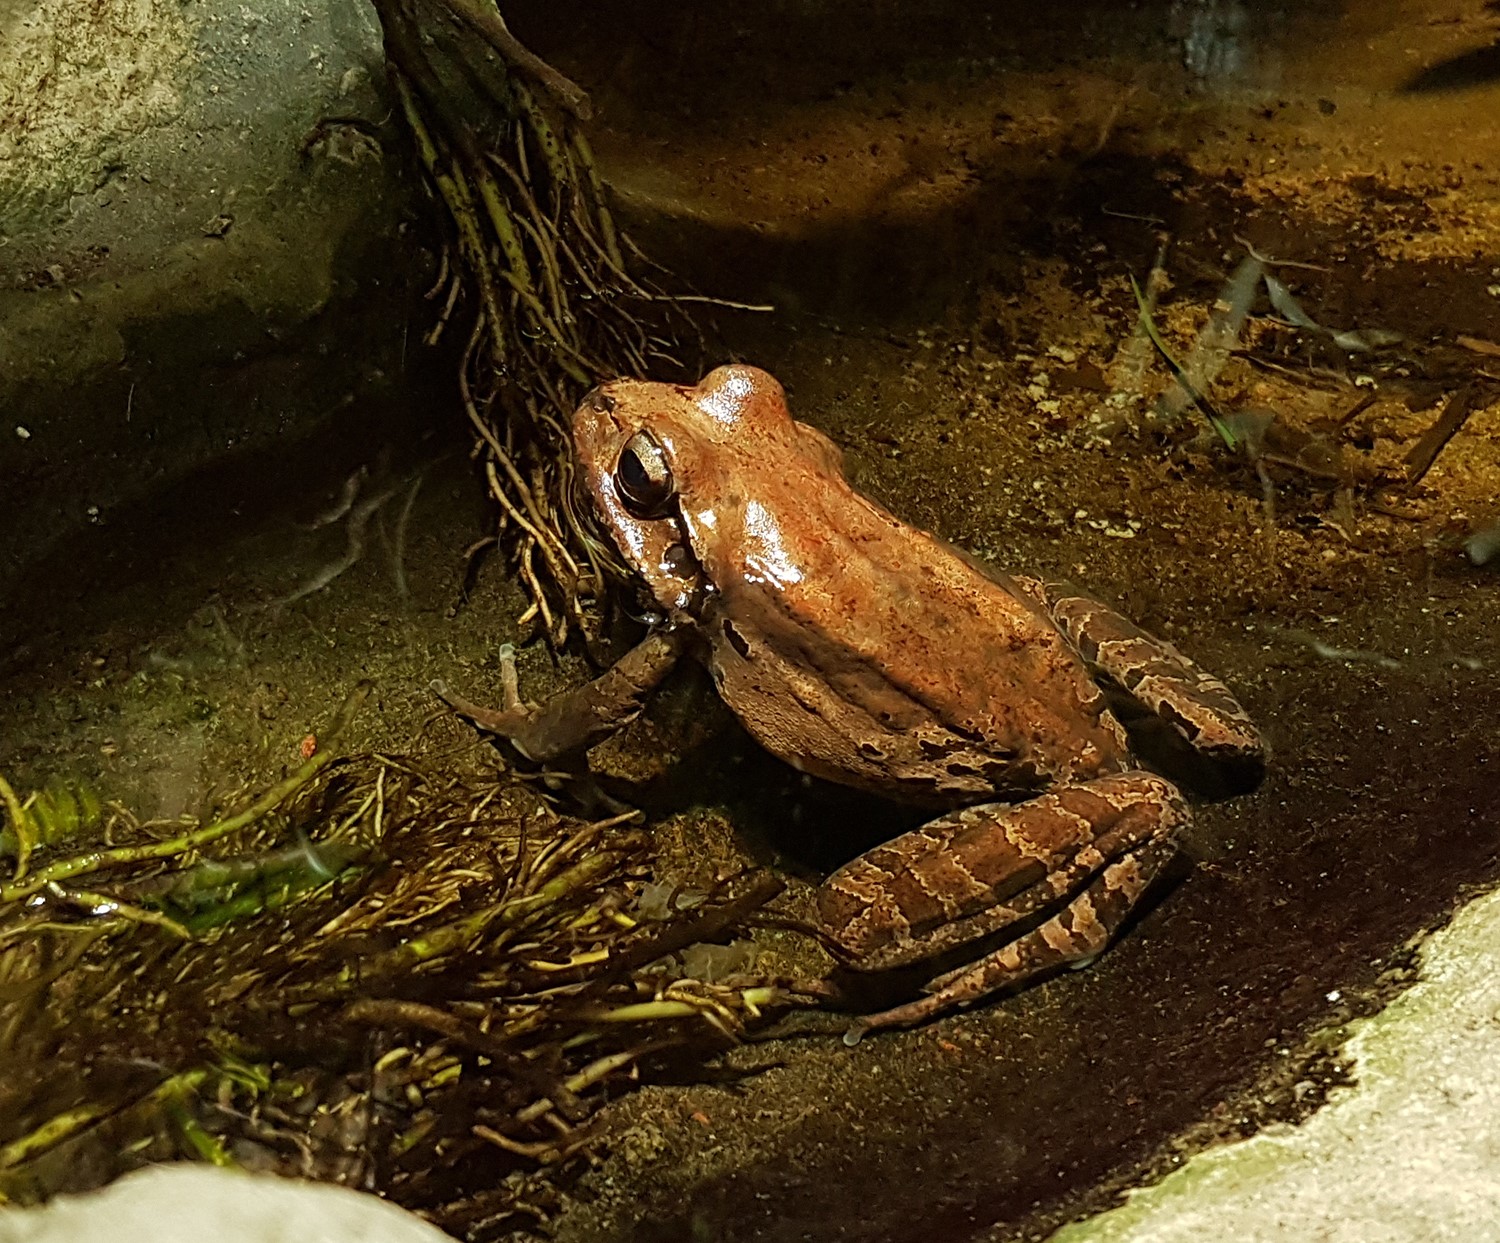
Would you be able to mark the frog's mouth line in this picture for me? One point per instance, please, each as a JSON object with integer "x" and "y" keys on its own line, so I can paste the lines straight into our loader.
{"x": 611, "y": 570}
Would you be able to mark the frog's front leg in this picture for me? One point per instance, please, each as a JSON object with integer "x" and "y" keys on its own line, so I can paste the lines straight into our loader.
{"x": 575, "y": 720}
{"x": 1197, "y": 705}
{"x": 1086, "y": 852}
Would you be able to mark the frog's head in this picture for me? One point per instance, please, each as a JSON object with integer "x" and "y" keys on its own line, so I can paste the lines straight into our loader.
{"x": 668, "y": 466}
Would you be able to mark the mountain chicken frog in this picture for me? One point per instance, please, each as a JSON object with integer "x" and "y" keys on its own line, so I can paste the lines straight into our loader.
{"x": 865, "y": 651}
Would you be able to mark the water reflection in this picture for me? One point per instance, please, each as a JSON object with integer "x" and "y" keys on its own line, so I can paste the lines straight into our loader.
{"x": 1225, "y": 43}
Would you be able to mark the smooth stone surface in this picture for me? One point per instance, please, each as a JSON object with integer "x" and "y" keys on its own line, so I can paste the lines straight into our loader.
{"x": 202, "y": 205}
{"x": 197, "y": 1203}
{"x": 1412, "y": 1152}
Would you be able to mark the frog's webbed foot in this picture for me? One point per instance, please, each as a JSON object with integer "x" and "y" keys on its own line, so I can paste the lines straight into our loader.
{"x": 1087, "y": 852}
{"x": 574, "y": 720}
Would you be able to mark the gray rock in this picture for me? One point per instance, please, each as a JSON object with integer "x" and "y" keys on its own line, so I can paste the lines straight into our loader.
{"x": 202, "y": 244}
{"x": 191, "y": 1203}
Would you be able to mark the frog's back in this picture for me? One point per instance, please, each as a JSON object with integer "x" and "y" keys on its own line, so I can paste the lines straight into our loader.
{"x": 872, "y": 653}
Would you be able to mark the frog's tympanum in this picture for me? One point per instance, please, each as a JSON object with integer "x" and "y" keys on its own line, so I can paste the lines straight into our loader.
{"x": 870, "y": 653}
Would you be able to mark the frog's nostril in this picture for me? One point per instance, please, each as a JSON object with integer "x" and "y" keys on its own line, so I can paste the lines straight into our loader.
{"x": 599, "y": 401}
{"x": 677, "y": 560}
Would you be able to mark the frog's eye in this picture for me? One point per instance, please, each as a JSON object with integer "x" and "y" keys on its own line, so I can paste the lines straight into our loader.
{"x": 642, "y": 477}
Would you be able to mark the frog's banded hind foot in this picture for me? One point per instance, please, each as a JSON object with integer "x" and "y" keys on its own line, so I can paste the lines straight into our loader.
{"x": 1165, "y": 682}
{"x": 1094, "y": 848}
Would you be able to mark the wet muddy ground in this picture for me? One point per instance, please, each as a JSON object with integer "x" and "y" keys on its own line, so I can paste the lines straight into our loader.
{"x": 946, "y": 209}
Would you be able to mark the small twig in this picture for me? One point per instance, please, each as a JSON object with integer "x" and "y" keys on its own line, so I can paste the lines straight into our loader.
{"x": 104, "y": 904}
{"x": 706, "y": 924}
{"x": 1357, "y": 409}
{"x": 398, "y": 540}
{"x": 1197, "y": 398}
{"x": 342, "y": 504}
{"x": 1268, "y": 502}
{"x": 435, "y": 333}
{"x": 442, "y": 276}
{"x": 533, "y": 523}
{"x": 51, "y": 1133}
{"x": 1106, "y": 210}
{"x": 538, "y": 527}
{"x": 1324, "y": 377}
{"x": 711, "y": 301}
{"x": 546, "y": 1151}
{"x": 206, "y": 1146}
{"x": 680, "y": 1007}
{"x": 1312, "y": 472}
{"x": 377, "y": 1012}
{"x": 354, "y": 549}
{"x": 1271, "y": 262}
{"x": 1455, "y": 414}
{"x": 587, "y": 1077}
{"x": 1479, "y": 345}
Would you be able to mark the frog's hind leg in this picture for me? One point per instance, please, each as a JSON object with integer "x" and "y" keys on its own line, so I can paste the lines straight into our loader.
{"x": 1113, "y": 870}
{"x": 1169, "y": 685}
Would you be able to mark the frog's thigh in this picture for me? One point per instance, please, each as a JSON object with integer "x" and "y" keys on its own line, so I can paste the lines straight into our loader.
{"x": 984, "y": 868}
{"x": 1194, "y": 702}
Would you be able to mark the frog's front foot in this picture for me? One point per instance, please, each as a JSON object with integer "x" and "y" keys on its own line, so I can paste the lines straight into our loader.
{"x": 574, "y": 720}
{"x": 508, "y": 721}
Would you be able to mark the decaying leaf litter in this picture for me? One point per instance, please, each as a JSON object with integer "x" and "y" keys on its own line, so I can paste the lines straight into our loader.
{"x": 403, "y": 971}
{"x": 1369, "y": 362}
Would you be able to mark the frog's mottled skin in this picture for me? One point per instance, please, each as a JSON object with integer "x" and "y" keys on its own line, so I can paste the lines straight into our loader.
{"x": 868, "y": 652}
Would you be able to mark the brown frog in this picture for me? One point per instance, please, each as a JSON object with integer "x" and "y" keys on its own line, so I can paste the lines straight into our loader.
{"x": 865, "y": 651}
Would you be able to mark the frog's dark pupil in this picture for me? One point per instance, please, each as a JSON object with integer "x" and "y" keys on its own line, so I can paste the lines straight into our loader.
{"x": 633, "y": 474}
